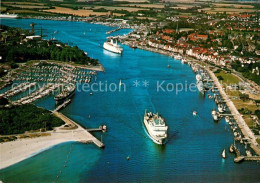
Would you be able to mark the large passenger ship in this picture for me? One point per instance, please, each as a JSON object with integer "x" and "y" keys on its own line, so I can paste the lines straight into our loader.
{"x": 113, "y": 47}
{"x": 8, "y": 16}
{"x": 156, "y": 127}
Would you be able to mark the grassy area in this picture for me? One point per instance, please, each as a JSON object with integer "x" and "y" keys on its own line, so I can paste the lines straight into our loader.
{"x": 3, "y": 8}
{"x": 258, "y": 141}
{"x": 228, "y": 78}
{"x": 81, "y": 12}
{"x": 129, "y": 9}
{"x": 28, "y": 12}
{"x": 249, "y": 121}
{"x": 245, "y": 104}
{"x": 1, "y": 83}
{"x": 227, "y": 10}
{"x": 234, "y": 93}
{"x": 29, "y": 6}
{"x": 28, "y": 3}
{"x": 233, "y": 5}
{"x": 160, "y": 6}
{"x": 33, "y": 135}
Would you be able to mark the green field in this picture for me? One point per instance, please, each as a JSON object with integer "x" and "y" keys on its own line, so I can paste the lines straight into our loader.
{"x": 228, "y": 78}
{"x": 3, "y": 8}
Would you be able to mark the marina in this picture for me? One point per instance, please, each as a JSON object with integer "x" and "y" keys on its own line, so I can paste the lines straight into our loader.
{"x": 234, "y": 119}
{"x": 45, "y": 78}
{"x": 129, "y": 151}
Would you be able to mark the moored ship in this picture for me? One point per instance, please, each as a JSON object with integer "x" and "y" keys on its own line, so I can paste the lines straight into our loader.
{"x": 156, "y": 127}
{"x": 200, "y": 86}
{"x": 65, "y": 94}
{"x": 113, "y": 47}
{"x": 8, "y": 15}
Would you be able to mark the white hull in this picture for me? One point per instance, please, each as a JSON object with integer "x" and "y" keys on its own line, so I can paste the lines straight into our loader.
{"x": 112, "y": 48}
{"x": 200, "y": 87}
{"x": 8, "y": 16}
{"x": 156, "y": 139}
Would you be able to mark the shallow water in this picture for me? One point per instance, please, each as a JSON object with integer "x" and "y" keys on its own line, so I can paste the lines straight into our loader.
{"x": 193, "y": 151}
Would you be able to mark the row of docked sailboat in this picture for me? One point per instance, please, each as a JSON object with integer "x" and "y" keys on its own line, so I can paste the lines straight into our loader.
{"x": 202, "y": 79}
{"x": 54, "y": 73}
{"x": 55, "y": 76}
{"x": 20, "y": 88}
{"x": 40, "y": 93}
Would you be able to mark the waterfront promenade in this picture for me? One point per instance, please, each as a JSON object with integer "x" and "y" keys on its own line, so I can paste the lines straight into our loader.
{"x": 239, "y": 119}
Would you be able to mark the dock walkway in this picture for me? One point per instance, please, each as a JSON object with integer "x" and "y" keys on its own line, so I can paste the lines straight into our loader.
{"x": 62, "y": 105}
{"x": 89, "y": 136}
{"x": 239, "y": 119}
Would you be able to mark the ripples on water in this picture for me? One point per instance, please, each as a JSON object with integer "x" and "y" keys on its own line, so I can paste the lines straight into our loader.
{"x": 193, "y": 152}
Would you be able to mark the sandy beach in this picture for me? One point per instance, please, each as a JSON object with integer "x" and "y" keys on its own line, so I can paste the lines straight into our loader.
{"x": 16, "y": 151}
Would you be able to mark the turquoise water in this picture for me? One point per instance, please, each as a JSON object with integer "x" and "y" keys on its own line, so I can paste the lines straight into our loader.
{"x": 193, "y": 152}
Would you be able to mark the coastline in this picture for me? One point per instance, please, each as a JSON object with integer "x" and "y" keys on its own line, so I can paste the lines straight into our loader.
{"x": 239, "y": 119}
{"x": 98, "y": 67}
{"x": 16, "y": 151}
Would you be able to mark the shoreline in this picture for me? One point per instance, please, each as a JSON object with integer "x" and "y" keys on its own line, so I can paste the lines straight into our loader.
{"x": 239, "y": 119}
{"x": 16, "y": 151}
{"x": 98, "y": 67}
{"x": 247, "y": 132}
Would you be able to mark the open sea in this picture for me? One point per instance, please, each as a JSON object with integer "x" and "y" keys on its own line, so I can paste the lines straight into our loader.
{"x": 193, "y": 150}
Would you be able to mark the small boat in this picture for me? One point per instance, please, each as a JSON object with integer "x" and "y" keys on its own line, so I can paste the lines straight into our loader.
{"x": 104, "y": 128}
{"x": 194, "y": 113}
{"x": 227, "y": 119}
{"x": 198, "y": 77}
{"x": 231, "y": 148}
{"x": 183, "y": 61}
{"x": 224, "y": 154}
{"x": 120, "y": 82}
{"x": 248, "y": 153}
{"x": 220, "y": 108}
{"x": 178, "y": 57}
{"x": 214, "y": 115}
{"x": 200, "y": 87}
{"x": 133, "y": 46}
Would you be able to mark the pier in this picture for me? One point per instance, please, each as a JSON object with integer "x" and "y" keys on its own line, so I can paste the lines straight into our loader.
{"x": 73, "y": 124}
{"x": 102, "y": 128}
{"x": 64, "y": 104}
{"x": 114, "y": 30}
{"x": 240, "y": 158}
{"x": 248, "y": 134}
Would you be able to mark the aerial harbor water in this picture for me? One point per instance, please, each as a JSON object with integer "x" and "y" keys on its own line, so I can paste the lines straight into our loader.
{"x": 195, "y": 143}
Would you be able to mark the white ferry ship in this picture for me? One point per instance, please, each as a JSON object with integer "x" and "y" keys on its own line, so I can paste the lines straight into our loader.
{"x": 113, "y": 47}
{"x": 8, "y": 16}
{"x": 156, "y": 127}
